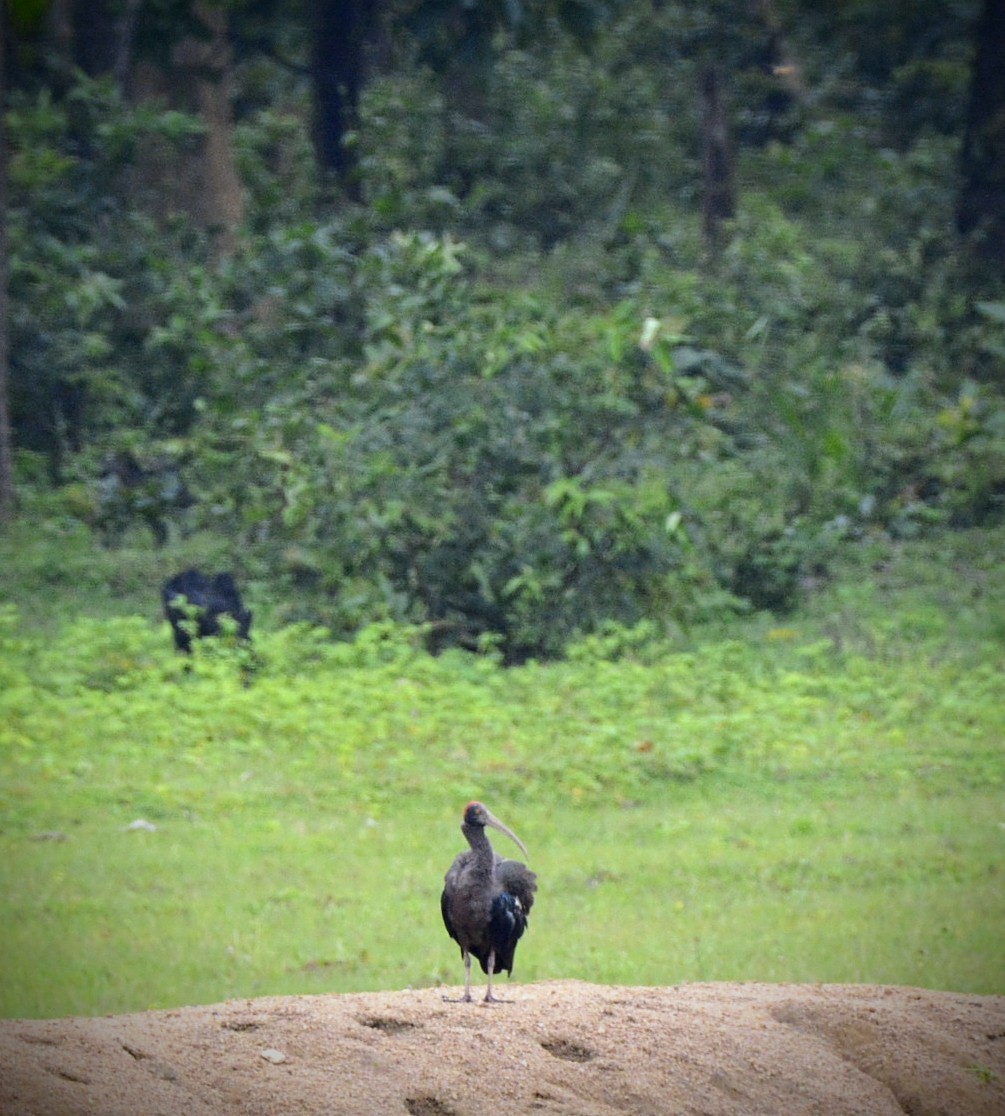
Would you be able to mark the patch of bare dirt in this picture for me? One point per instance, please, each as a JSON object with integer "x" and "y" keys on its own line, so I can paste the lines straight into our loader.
{"x": 562, "y": 1047}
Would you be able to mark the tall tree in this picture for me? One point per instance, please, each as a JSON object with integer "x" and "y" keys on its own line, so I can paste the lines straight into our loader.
{"x": 719, "y": 196}
{"x": 179, "y": 54}
{"x": 203, "y": 60}
{"x": 340, "y": 32}
{"x": 6, "y": 456}
{"x": 981, "y": 203}
{"x": 456, "y": 40}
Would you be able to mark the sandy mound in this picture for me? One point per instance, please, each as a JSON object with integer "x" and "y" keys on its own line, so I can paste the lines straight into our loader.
{"x": 561, "y": 1047}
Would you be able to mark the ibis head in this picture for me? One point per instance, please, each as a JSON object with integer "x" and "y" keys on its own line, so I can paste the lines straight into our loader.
{"x": 478, "y": 816}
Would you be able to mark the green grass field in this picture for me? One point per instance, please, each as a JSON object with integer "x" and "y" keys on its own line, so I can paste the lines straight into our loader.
{"x": 821, "y": 801}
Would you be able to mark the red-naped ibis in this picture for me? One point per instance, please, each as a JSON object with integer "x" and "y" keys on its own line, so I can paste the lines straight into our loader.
{"x": 486, "y": 899}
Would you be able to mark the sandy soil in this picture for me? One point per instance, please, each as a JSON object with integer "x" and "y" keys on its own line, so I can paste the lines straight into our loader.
{"x": 563, "y": 1047}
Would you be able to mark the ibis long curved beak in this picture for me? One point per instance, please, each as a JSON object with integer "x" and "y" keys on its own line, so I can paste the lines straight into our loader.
{"x": 492, "y": 820}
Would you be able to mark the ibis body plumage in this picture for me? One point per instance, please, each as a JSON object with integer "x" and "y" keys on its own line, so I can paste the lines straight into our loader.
{"x": 486, "y": 899}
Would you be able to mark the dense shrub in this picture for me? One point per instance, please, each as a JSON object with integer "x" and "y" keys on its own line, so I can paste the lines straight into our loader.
{"x": 514, "y": 398}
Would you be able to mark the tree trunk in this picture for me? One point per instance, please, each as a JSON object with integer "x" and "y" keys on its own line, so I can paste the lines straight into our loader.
{"x": 6, "y": 452}
{"x": 771, "y": 115}
{"x": 778, "y": 55}
{"x": 100, "y": 36}
{"x": 981, "y": 204}
{"x": 213, "y": 195}
{"x": 719, "y": 197}
{"x": 91, "y": 35}
{"x": 340, "y": 33}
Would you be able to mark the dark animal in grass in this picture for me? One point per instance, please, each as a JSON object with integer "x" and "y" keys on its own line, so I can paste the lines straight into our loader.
{"x": 194, "y": 602}
{"x": 486, "y": 899}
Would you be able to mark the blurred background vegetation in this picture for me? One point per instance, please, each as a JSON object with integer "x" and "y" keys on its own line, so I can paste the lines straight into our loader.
{"x": 510, "y": 320}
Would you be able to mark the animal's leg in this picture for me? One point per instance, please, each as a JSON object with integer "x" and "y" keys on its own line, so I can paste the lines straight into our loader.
{"x": 466, "y": 998}
{"x": 489, "y": 998}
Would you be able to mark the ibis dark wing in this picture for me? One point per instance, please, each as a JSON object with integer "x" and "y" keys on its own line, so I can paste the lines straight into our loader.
{"x": 506, "y": 926}
{"x": 451, "y": 883}
{"x": 445, "y": 911}
{"x": 518, "y": 880}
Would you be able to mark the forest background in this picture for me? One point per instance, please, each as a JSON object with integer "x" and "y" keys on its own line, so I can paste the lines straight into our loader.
{"x": 510, "y": 320}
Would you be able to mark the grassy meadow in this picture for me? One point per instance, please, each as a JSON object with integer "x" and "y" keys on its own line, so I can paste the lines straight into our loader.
{"x": 814, "y": 799}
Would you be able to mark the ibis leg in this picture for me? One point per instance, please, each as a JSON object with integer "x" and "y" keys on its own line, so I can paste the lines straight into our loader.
{"x": 489, "y": 998}
{"x": 466, "y": 998}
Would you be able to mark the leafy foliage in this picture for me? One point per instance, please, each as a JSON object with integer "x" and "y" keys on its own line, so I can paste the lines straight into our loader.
{"x": 512, "y": 399}
{"x": 99, "y": 290}
{"x": 291, "y": 834}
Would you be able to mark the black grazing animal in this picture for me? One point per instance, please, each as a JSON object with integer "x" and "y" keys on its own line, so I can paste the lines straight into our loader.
{"x": 194, "y": 603}
{"x": 486, "y": 899}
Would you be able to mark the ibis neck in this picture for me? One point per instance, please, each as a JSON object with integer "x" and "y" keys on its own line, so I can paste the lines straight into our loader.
{"x": 478, "y": 840}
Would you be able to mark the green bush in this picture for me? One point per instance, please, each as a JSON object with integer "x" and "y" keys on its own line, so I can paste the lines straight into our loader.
{"x": 109, "y": 306}
{"x": 513, "y": 401}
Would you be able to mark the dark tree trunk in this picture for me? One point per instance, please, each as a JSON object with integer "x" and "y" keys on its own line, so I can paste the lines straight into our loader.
{"x": 126, "y": 36}
{"x": 95, "y": 37}
{"x": 212, "y": 190}
{"x": 981, "y": 206}
{"x": 6, "y": 455}
{"x": 770, "y": 117}
{"x": 719, "y": 197}
{"x": 340, "y": 34}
